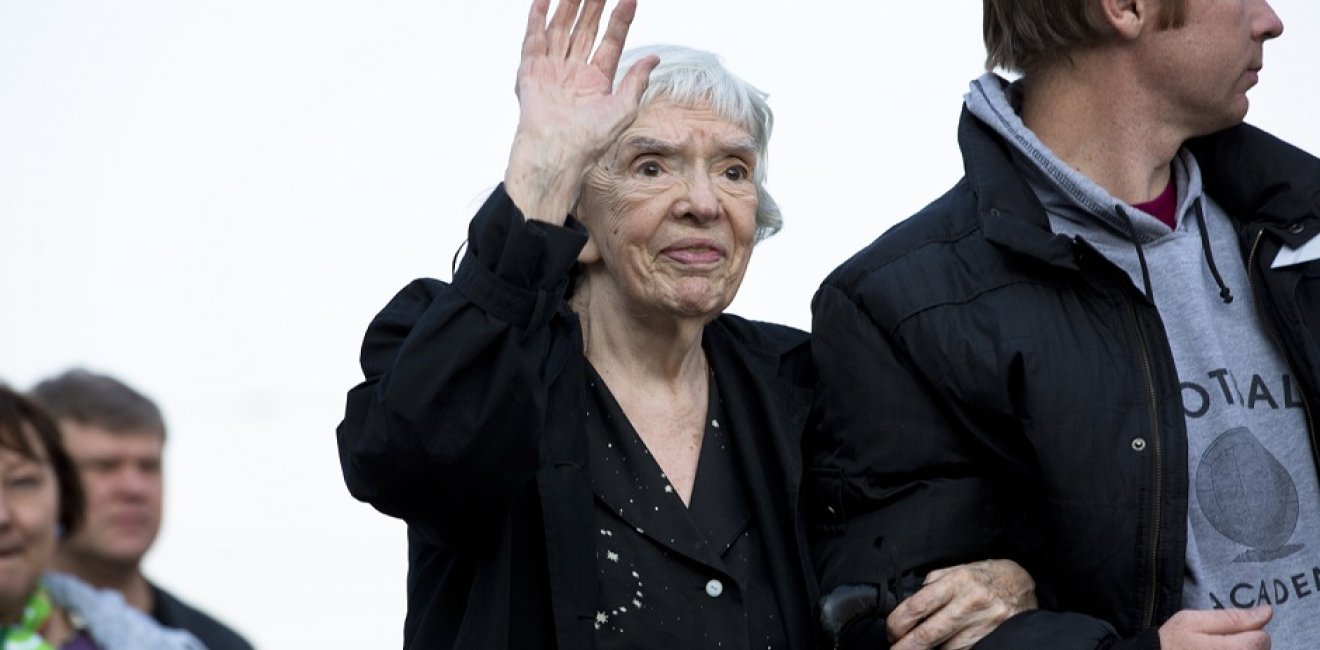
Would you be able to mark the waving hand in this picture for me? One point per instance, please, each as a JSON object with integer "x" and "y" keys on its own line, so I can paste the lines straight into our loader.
{"x": 569, "y": 112}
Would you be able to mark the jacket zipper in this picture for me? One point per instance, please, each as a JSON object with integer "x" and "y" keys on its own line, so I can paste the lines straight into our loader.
{"x": 1153, "y": 581}
{"x": 1274, "y": 337}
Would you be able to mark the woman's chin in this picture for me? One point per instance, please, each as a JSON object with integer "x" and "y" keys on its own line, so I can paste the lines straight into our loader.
{"x": 698, "y": 298}
{"x": 14, "y": 594}
{"x": 704, "y": 308}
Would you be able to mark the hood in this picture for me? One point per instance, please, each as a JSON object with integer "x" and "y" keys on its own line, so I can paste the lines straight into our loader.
{"x": 1079, "y": 208}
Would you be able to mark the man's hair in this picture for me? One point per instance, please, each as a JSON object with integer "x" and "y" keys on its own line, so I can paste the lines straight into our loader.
{"x": 1023, "y": 34}
{"x": 100, "y": 401}
{"x": 688, "y": 76}
{"x": 17, "y": 414}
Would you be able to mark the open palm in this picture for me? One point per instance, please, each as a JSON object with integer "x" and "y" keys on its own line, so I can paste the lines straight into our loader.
{"x": 570, "y": 112}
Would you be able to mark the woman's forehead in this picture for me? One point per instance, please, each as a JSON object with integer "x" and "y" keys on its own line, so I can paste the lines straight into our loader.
{"x": 667, "y": 124}
{"x": 22, "y": 446}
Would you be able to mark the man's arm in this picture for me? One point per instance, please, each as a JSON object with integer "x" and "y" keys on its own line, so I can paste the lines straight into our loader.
{"x": 890, "y": 463}
{"x": 905, "y": 477}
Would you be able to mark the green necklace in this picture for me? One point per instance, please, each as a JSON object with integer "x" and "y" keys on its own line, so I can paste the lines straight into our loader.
{"x": 25, "y": 635}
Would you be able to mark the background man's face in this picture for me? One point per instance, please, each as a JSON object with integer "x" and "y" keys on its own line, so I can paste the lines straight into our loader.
{"x": 121, "y": 474}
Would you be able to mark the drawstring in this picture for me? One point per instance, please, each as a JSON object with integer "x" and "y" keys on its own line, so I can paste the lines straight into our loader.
{"x": 1224, "y": 293}
{"x": 1141, "y": 254}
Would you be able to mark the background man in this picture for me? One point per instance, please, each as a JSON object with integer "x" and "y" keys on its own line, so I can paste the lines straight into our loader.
{"x": 1098, "y": 353}
{"x": 116, "y": 437}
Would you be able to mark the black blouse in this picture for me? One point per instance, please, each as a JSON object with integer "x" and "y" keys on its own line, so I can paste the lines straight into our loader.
{"x": 671, "y": 574}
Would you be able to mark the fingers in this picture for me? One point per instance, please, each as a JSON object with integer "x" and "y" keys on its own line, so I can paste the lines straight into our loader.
{"x": 557, "y": 33}
{"x": 1253, "y": 619}
{"x": 611, "y": 46}
{"x": 571, "y": 36}
{"x": 917, "y": 608}
{"x": 584, "y": 32}
{"x": 634, "y": 83}
{"x": 945, "y": 630}
{"x": 958, "y": 624}
{"x": 534, "y": 38}
{"x": 960, "y": 605}
{"x": 1232, "y": 629}
{"x": 1254, "y": 640}
{"x": 936, "y": 575}
{"x": 1225, "y": 621}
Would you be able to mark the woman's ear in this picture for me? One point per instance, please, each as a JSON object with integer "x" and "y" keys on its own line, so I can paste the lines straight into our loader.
{"x": 590, "y": 253}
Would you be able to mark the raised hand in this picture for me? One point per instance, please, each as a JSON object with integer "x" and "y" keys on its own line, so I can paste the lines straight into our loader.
{"x": 570, "y": 113}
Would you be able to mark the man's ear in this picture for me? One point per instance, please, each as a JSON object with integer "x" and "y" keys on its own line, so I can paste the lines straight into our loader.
{"x": 1127, "y": 18}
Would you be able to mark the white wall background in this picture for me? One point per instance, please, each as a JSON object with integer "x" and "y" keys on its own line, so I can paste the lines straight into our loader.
{"x": 212, "y": 199}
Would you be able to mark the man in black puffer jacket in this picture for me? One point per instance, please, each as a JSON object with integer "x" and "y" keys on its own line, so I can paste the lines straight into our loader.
{"x": 1099, "y": 353}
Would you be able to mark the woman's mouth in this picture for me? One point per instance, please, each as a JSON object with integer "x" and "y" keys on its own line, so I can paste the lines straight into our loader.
{"x": 694, "y": 252}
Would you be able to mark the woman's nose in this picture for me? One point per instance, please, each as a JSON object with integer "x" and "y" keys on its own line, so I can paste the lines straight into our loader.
{"x": 701, "y": 202}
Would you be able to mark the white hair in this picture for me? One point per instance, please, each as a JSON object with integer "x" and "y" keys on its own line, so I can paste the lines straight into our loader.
{"x": 687, "y": 76}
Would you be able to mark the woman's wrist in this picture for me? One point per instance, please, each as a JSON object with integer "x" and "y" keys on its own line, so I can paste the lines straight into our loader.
{"x": 543, "y": 177}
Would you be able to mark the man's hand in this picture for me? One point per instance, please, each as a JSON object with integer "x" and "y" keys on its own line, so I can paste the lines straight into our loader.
{"x": 959, "y": 605}
{"x": 1217, "y": 629}
{"x": 569, "y": 111}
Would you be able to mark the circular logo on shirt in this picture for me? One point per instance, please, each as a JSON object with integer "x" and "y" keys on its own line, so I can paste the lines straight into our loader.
{"x": 1248, "y": 496}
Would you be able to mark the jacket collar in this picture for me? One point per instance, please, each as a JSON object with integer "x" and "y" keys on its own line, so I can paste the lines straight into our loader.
{"x": 1011, "y": 215}
{"x": 758, "y": 401}
{"x": 1254, "y": 174}
{"x": 1257, "y": 178}
{"x": 766, "y": 417}
{"x": 629, "y": 482}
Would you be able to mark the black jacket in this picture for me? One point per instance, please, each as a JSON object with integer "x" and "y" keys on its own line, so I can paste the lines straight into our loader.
{"x": 991, "y": 389}
{"x": 469, "y": 427}
{"x": 172, "y": 612}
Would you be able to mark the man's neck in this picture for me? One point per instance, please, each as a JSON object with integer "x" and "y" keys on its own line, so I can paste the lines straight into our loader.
{"x": 127, "y": 580}
{"x": 1099, "y": 120}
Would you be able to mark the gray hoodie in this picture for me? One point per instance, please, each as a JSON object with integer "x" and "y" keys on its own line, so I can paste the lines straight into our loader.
{"x": 1253, "y": 499}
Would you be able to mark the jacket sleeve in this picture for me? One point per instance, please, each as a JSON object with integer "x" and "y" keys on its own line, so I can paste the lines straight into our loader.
{"x": 445, "y": 430}
{"x": 905, "y": 476}
{"x": 1063, "y": 631}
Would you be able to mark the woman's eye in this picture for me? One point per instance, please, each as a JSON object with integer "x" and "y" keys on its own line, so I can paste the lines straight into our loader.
{"x": 23, "y": 482}
{"x": 649, "y": 169}
{"x": 736, "y": 173}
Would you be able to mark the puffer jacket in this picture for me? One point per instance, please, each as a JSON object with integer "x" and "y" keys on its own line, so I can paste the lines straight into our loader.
{"x": 991, "y": 389}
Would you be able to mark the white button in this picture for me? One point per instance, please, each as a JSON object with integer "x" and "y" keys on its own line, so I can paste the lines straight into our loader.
{"x": 1138, "y": 444}
{"x": 714, "y": 588}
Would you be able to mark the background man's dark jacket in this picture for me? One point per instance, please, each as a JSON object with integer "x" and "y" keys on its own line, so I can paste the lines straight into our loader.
{"x": 172, "y": 612}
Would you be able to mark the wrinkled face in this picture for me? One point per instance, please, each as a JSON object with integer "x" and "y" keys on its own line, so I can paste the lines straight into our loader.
{"x": 1205, "y": 67}
{"x": 121, "y": 475}
{"x": 29, "y": 512}
{"x": 671, "y": 212}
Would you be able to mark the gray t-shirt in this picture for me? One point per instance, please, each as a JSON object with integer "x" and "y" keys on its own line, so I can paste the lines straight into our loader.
{"x": 1253, "y": 511}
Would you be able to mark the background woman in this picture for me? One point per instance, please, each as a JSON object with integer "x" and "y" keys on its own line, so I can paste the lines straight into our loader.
{"x": 39, "y": 496}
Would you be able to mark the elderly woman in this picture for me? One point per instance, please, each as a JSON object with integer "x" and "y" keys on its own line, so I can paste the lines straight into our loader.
{"x": 40, "y": 496}
{"x": 587, "y": 451}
